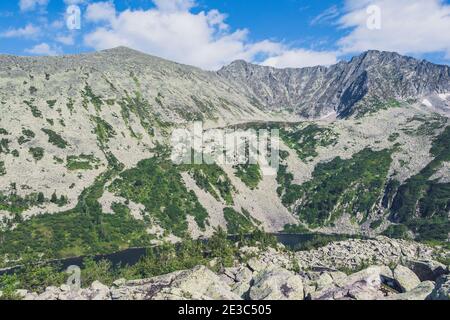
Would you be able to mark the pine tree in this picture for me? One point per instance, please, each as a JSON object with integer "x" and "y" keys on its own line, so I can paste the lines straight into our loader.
{"x": 54, "y": 198}
{"x": 40, "y": 198}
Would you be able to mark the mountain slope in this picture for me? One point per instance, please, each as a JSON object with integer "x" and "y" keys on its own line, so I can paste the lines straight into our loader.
{"x": 85, "y": 150}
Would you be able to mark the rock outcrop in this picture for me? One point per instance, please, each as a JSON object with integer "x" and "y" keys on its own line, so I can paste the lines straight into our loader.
{"x": 274, "y": 275}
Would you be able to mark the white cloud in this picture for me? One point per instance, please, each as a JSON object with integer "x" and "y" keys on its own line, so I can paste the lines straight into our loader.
{"x": 172, "y": 31}
{"x": 28, "y": 5}
{"x": 101, "y": 11}
{"x": 174, "y": 5}
{"x": 301, "y": 58}
{"x": 407, "y": 26}
{"x": 44, "y": 49}
{"x": 68, "y": 40}
{"x": 326, "y": 16}
{"x": 26, "y": 32}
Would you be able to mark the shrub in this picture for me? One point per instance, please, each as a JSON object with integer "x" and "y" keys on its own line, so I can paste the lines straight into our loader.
{"x": 37, "y": 153}
{"x": 55, "y": 139}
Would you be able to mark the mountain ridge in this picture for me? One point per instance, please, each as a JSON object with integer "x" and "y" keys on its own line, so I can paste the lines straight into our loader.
{"x": 341, "y": 86}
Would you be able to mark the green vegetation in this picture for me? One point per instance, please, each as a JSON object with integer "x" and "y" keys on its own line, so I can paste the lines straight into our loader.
{"x": 35, "y": 276}
{"x": 4, "y": 145}
{"x": 16, "y": 204}
{"x": 61, "y": 201}
{"x": 70, "y": 105}
{"x": 250, "y": 174}
{"x": 34, "y": 110}
{"x": 157, "y": 184}
{"x": 295, "y": 228}
{"x": 422, "y": 199}
{"x": 397, "y": 231}
{"x": 80, "y": 231}
{"x": 434, "y": 229}
{"x": 51, "y": 103}
{"x": 212, "y": 179}
{"x": 305, "y": 139}
{"x": 82, "y": 162}
{"x": 4, "y": 132}
{"x": 37, "y": 153}
{"x": 103, "y": 130}
{"x": 372, "y": 105}
{"x": 142, "y": 110}
{"x": 428, "y": 125}
{"x": 318, "y": 240}
{"x": 393, "y": 137}
{"x": 89, "y": 96}
{"x": 376, "y": 224}
{"x": 2, "y": 168}
{"x": 238, "y": 223}
{"x": 55, "y": 139}
{"x": 26, "y": 137}
{"x": 338, "y": 186}
{"x": 28, "y": 133}
{"x": 32, "y": 90}
{"x": 206, "y": 108}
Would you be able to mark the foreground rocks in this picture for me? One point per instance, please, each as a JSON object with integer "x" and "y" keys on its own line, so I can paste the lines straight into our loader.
{"x": 409, "y": 273}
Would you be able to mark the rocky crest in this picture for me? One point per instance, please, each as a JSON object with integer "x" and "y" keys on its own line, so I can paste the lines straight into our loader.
{"x": 319, "y": 91}
{"x": 405, "y": 271}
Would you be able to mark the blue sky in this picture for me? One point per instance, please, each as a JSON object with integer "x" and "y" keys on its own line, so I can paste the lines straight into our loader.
{"x": 211, "y": 33}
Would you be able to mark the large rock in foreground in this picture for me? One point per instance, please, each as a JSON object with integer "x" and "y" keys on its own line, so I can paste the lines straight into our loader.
{"x": 406, "y": 279}
{"x": 199, "y": 283}
{"x": 275, "y": 275}
{"x": 442, "y": 290}
{"x": 277, "y": 284}
{"x": 421, "y": 292}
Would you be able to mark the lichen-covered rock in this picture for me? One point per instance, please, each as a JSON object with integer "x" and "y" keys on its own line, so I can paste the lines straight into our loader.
{"x": 442, "y": 289}
{"x": 363, "y": 285}
{"x": 277, "y": 284}
{"x": 427, "y": 269}
{"x": 269, "y": 275}
{"x": 99, "y": 291}
{"x": 406, "y": 279}
{"x": 350, "y": 254}
{"x": 199, "y": 283}
{"x": 421, "y": 292}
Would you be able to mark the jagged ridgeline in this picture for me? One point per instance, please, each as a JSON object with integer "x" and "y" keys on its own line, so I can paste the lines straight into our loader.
{"x": 85, "y": 151}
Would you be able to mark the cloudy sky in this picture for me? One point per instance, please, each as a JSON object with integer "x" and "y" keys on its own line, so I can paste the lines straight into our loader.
{"x": 212, "y": 33}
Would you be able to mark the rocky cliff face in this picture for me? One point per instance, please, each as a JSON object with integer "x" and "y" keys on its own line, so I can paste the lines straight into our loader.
{"x": 318, "y": 91}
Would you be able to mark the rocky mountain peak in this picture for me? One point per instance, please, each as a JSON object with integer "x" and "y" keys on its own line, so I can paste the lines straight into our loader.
{"x": 317, "y": 91}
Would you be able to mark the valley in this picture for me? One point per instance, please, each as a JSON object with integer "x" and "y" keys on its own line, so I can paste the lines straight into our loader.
{"x": 85, "y": 152}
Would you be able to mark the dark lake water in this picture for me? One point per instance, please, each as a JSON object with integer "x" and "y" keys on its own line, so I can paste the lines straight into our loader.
{"x": 133, "y": 255}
